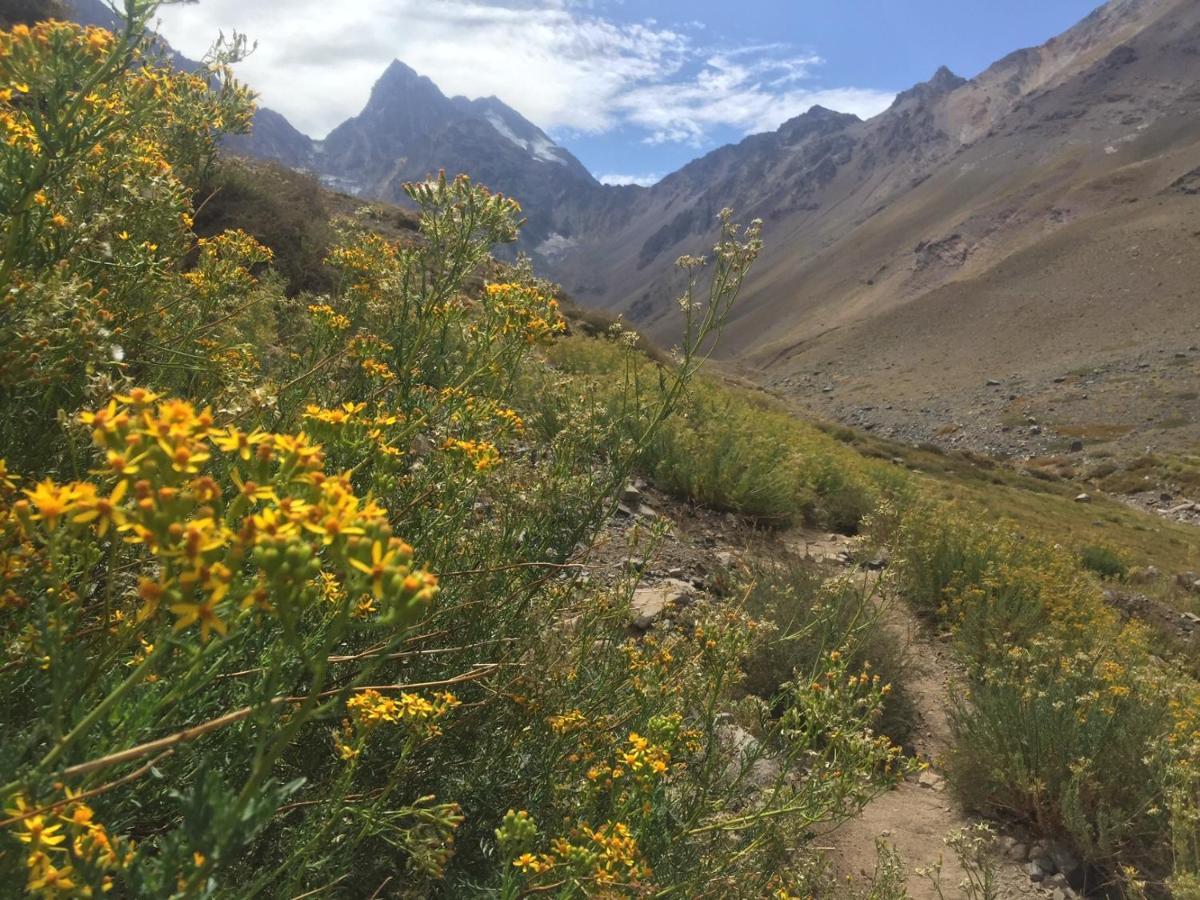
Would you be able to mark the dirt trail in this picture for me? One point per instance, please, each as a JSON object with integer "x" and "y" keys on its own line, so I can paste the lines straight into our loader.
{"x": 916, "y": 816}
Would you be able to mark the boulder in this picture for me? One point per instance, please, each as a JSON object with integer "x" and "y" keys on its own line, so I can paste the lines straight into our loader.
{"x": 631, "y": 496}
{"x": 931, "y": 781}
{"x": 746, "y": 758}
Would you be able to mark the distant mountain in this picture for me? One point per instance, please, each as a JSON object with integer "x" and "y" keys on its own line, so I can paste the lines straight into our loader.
{"x": 1038, "y": 221}
{"x": 271, "y": 137}
{"x": 409, "y": 130}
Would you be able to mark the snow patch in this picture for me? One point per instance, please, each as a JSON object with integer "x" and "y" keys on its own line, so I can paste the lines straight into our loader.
{"x": 540, "y": 147}
{"x": 639, "y": 180}
{"x": 555, "y": 245}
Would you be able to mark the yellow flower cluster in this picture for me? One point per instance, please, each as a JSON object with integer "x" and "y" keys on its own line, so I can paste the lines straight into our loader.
{"x": 369, "y": 709}
{"x": 345, "y": 414}
{"x": 376, "y": 369}
{"x": 525, "y": 311}
{"x": 255, "y": 542}
{"x": 645, "y": 761}
{"x": 482, "y": 454}
{"x": 604, "y": 855}
{"x": 567, "y": 722}
{"x": 66, "y": 848}
{"x": 644, "y": 758}
{"x": 325, "y": 315}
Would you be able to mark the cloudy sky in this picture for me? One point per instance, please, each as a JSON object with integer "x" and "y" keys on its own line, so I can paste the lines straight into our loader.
{"x": 635, "y": 88}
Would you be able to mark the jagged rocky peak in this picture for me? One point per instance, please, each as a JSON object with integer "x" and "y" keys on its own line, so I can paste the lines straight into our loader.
{"x": 817, "y": 120}
{"x": 401, "y": 76}
{"x": 942, "y": 83}
{"x": 411, "y": 99}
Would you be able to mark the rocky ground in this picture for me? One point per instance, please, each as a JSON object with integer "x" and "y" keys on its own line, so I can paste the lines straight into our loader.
{"x": 681, "y": 556}
{"x": 1122, "y": 404}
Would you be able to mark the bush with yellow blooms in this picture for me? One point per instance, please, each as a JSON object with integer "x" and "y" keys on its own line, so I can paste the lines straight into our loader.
{"x": 289, "y": 602}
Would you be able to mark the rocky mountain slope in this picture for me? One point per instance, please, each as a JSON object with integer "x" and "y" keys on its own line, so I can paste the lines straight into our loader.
{"x": 1035, "y": 225}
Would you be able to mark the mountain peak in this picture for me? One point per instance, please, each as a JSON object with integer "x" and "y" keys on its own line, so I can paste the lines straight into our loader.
{"x": 401, "y": 76}
{"x": 946, "y": 79}
{"x": 943, "y": 82}
{"x": 398, "y": 69}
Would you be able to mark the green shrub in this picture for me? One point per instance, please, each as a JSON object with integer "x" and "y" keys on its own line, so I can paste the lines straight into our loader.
{"x": 1104, "y": 561}
{"x": 732, "y": 450}
{"x": 808, "y": 618}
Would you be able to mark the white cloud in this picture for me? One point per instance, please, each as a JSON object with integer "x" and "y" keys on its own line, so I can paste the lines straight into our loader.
{"x": 557, "y": 62}
{"x": 639, "y": 180}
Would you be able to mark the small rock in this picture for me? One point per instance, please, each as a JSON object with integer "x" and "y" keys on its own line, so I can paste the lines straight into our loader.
{"x": 931, "y": 780}
{"x": 1083, "y": 498}
{"x": 879, "y": 561}
{"x": 631, "y": 496}
{"x": 1035, "y": 872}
{"x": 1077, "y": 446}
{"x": 744, "y": 748}
{"x": 1046, "y": 863}
{"x": 1019, "y": 852}
{"x": 635, "y": 564}
{"x": 1035, "y": 429}
{"x": 649, "y": 603}
{"x": 992, "y": 382}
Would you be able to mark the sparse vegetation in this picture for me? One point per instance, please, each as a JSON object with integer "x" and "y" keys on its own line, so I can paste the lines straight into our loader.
{"x": 808, "y": 616}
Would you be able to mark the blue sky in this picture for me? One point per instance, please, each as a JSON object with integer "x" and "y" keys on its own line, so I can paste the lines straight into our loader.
{"x": 634, "y": 89}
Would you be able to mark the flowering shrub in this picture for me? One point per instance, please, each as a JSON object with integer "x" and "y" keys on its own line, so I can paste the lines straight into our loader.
{"x": 1067, "y": 717}
{"x": 285, "y": 582}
